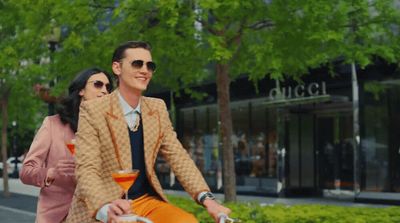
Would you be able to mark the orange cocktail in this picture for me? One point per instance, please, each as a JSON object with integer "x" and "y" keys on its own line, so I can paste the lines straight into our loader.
{"x": 125, "y": 179}
{"x": 71, "y": 146}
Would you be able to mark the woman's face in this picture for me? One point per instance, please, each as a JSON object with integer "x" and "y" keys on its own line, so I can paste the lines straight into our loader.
{"x": 96, "y": 86}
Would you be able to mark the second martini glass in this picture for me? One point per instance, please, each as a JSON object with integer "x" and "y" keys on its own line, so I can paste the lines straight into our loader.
{"x": 71, "y": 146}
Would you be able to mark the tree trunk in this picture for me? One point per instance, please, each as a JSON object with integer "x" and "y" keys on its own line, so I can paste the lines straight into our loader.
{"x": 225, "y": 118}
{"x": 4, "y": 108}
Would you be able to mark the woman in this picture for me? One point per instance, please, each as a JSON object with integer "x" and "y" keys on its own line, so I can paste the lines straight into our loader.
{"x": 48, "y": 164}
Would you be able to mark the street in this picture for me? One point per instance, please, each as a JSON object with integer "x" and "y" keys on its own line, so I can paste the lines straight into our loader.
{"x": 20, "y": 207}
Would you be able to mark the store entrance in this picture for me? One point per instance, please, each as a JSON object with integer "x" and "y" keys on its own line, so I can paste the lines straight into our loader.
{"x": 334, "y": 152}
{"x": 319, "y": 149}
{"x": 300, "y": 160}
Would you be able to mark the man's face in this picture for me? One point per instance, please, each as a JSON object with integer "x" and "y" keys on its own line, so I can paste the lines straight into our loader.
{"x": 131, "y": 76}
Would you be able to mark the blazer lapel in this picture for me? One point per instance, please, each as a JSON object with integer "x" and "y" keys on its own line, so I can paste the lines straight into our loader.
{"x": 119, "y": 132}
{"x": 151, "y": 132}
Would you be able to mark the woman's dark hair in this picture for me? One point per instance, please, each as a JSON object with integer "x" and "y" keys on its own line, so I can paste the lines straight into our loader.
{"x": 69, "y": 106}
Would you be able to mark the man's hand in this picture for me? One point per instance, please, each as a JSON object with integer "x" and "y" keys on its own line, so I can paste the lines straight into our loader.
{"x": 116, "y": 208}
{"x": 214, "y": 208}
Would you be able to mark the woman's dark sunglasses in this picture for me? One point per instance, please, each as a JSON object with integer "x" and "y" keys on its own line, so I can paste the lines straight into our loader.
{"x": 151, "y": 66}
{"x": 99, "y": 85}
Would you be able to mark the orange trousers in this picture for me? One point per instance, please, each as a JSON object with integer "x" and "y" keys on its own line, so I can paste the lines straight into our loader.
{"x": 159, "y": 211}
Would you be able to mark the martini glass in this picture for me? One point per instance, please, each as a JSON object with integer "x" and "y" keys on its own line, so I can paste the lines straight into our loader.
{"x": 125, "y": 179}
{"x": 71, "y": 146}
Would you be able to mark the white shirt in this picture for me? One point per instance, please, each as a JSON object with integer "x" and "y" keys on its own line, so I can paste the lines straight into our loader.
{"x": 130, "y": 113}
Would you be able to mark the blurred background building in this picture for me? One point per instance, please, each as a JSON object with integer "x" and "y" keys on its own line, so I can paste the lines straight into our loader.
{"x": 296, "y": 138}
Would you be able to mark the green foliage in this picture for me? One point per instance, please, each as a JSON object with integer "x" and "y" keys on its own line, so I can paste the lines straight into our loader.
{"x": 375, "y": 88}
{"x": 370, "y": 29}
{"x": 256, "y": 38}
{"x": 254, "y": 213}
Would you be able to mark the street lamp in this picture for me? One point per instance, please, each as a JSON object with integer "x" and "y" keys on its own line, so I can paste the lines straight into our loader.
{"x": 52, "y": 41}
{"x": 52, "y": 47}
{"x": 15, "y": 173}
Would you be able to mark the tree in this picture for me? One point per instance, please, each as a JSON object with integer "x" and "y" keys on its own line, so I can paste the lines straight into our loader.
{"x": 5, "y": 91}
{"x": 7, "y": 73}
{"x": 20, "y": 68}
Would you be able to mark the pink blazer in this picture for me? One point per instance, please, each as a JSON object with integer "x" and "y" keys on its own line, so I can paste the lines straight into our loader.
{"x": 47, "y": 148}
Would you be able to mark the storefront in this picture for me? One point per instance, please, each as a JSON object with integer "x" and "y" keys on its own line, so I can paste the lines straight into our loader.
{"x": 293, "y": 138}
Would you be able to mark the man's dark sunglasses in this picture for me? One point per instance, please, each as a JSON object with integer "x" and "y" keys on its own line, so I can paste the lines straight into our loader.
{"x": 99, "y": 84}
{"x": 151, "y": 66}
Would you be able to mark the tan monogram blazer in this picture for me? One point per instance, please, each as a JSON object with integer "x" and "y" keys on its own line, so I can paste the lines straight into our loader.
{"x": 103, "y": 147}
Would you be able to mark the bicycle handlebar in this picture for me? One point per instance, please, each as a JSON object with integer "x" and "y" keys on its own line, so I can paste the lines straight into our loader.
{"x": 135, "y": 219}
{"x": 144, "y": 220}
{"x": 224, "y": 218}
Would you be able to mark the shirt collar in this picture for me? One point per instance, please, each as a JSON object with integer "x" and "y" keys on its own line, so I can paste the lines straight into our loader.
{"x": 126, "y": 108}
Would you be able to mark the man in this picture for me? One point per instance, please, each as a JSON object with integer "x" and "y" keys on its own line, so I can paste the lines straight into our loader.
{"x": 126, "y": 130}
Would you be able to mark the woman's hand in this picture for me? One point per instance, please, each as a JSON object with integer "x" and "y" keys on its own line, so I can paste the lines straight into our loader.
{"x": 64, "y": 167}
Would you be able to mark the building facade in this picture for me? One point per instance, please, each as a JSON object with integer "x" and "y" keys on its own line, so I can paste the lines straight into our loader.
{"x": 298, "y": 138}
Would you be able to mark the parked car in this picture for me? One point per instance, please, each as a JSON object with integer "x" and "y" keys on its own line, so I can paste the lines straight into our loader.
{"x": 11, "y": 164}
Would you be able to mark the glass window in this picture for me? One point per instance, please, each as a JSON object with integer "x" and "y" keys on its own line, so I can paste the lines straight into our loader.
{"x": 188, "y": 121}
{"x": 200, "y": 138}
{"x": 254, "y": 141}
{"x": 201, "y": 120}
{"x": 380, "y": 144}
{"x": 240, "y": 117}
{"x": 374, "y": 144}
{"x": 259, "y": 117}
{"x": 258, "y": 139}
{"x": 335, "y": 151}
{"x": 240, "y": 137}
{"x": 212, "y": 112}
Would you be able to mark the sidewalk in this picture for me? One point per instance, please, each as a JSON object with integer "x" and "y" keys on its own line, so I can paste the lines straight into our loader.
{"x": 16, "y": 186}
